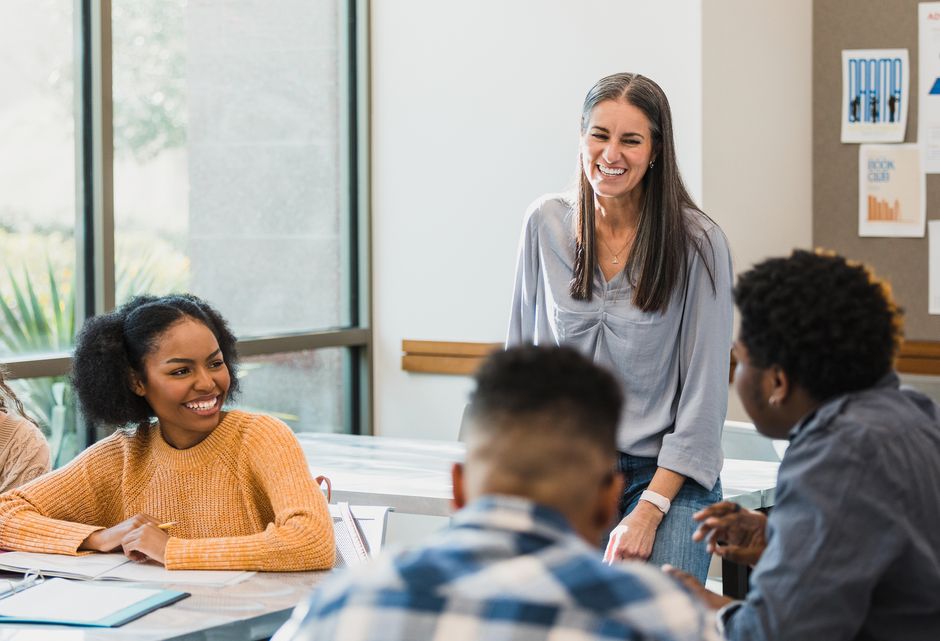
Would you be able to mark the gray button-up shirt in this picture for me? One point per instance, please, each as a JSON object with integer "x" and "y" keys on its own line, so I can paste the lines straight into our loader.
{"x": 673, "y": 365}
{"x": 853, "y": 548}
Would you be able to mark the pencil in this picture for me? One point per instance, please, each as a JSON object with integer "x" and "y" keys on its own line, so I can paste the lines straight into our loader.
{"x": 167, "y": 525}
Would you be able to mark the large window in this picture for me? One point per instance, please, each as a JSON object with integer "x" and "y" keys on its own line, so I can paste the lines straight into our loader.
{"x": 175, "y": 145}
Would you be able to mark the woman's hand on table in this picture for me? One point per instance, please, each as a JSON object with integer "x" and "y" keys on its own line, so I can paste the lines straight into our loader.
{"x": 139, "y": 537}
{"x": 633, "y": 538}
{"x": 110, "y": 539}
{"x": 732, "y": 533}
{"x": 146, "y": 543}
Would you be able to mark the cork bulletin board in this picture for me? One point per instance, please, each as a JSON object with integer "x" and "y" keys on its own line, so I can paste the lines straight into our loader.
{"x": 866, "y": 24}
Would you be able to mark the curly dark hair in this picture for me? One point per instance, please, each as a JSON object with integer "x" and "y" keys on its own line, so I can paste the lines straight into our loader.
{"x": 111, "y": 346}
{"x": 828, "y": 322}
{"x": 530, "y": 380}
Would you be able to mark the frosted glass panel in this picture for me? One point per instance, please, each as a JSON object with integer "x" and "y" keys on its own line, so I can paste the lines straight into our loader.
{"x": 37, "y": 177}
{"x": 304, "y": 389}
{"x": 226, "y": 169}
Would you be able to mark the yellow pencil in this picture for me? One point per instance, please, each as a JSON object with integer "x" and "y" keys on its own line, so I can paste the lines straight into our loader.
{"x": 167, "y": 526}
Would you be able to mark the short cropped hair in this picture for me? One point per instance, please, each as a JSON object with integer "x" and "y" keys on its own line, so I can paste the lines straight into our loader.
{"x": 555, "y": 382}
{"x": 829, "y": 323}
{"x": 112, "y": 346}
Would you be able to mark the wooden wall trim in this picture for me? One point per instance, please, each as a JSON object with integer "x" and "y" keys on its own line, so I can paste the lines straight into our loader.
{"x": 463, "y": 358}
{"x": 919, "y": 357}
{"x": 444, "y": 357}
{"x": 447, "y": 357}
{"x": 914, "y": 357}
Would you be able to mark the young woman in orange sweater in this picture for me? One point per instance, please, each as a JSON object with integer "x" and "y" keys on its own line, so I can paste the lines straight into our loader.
{"x": 197, "y": 488}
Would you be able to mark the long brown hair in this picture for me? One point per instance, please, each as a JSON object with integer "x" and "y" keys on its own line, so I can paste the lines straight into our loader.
{"x": 8, "y": 398}
{"x": 658, "y": 261}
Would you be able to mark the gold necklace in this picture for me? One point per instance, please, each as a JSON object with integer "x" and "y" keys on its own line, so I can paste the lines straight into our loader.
{"x": 614, "y": 260}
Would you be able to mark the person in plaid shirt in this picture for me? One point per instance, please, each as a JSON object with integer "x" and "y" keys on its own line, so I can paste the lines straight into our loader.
{"x": 520, "y": 560}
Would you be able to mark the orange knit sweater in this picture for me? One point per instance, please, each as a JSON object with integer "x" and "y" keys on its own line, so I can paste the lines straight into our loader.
{"x": 242, "y": 499}
{"x": 24, "y": 453}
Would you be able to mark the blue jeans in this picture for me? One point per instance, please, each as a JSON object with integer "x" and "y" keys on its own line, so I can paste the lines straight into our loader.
{"x": 673, "y": 543}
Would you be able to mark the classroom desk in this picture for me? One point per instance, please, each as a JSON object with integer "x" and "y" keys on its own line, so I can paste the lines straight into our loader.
{"x": 409, "y": 475}
{"x": 248, "y": 611}
{"x": 413, "y": 475}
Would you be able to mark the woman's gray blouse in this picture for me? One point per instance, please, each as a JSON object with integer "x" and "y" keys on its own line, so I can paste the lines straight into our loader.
{"x": 673, "y": 365}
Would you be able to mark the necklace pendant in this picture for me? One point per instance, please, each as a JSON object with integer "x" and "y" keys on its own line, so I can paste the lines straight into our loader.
{"x": 615, "y": 261}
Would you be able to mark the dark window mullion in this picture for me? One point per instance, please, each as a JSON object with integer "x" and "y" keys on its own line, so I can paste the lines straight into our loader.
{"x": 95, "y": 227}
{"x": 85, "y": 274}
{"x": 86, "y": 252}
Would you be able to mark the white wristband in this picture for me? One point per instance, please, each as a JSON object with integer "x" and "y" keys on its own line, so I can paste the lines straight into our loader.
{"x": 656, "y": 499}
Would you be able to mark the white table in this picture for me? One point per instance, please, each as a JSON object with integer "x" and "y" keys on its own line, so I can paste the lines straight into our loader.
{"x": 413, "y": 475}
{"x": 247, "y": 611}
{"x": 751, "y": 484}
{"x": 409, "y": 475}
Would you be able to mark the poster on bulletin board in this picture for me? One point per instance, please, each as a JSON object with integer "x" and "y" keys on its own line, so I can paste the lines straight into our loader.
{"x": 928, "y": 86}
{"x": 891, "y": 191}
{"x": 933, "y": 264}
{"x": 875, "y": 89}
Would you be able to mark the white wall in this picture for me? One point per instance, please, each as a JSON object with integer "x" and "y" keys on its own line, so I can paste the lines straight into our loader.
{"x": 475, "y": 109}
{"x": 757, "y": 114}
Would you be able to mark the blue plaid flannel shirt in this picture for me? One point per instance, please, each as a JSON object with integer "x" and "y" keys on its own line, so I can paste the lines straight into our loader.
{"x": 506, "y": 568}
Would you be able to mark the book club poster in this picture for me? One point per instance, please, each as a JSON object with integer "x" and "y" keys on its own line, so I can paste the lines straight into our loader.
{"x": 891, "y": 191}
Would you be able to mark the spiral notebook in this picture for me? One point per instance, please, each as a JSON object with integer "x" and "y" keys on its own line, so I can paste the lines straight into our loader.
{"x": 79, "y": 603}
{"x": 359, "y": 531}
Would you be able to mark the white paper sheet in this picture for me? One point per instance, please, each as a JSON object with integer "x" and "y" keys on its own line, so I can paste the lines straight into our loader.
{"x": 933, "y": 241}
{"x": 114, "y": 567}
{"x": 875, "y": 90}
{"x": 76, "y": 602}
{"x": 891, "y": 198}
{"x": 928, "y": 86}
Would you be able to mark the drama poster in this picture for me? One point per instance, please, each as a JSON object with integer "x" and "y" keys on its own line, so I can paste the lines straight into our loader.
{"x": 875, "y": 85}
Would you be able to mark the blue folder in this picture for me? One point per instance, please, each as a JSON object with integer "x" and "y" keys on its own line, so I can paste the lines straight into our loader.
{"x": 36, "y": 601}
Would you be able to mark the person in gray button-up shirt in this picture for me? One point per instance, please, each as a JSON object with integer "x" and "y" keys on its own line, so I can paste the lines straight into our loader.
{"x": 853, "y": 542}
{"x": 632, "y": 274}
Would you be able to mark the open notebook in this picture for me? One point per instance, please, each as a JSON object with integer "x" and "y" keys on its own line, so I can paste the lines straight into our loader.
{"x": 83, "y": 603}
{"x": 115, "y": 567}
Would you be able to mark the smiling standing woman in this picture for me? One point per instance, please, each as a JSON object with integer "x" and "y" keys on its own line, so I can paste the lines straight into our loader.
{"x": 196, "y": 488}
{"x": 630, "y": 272}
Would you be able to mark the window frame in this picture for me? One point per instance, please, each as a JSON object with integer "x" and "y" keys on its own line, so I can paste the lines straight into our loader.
{"x": 94, "y": 223}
